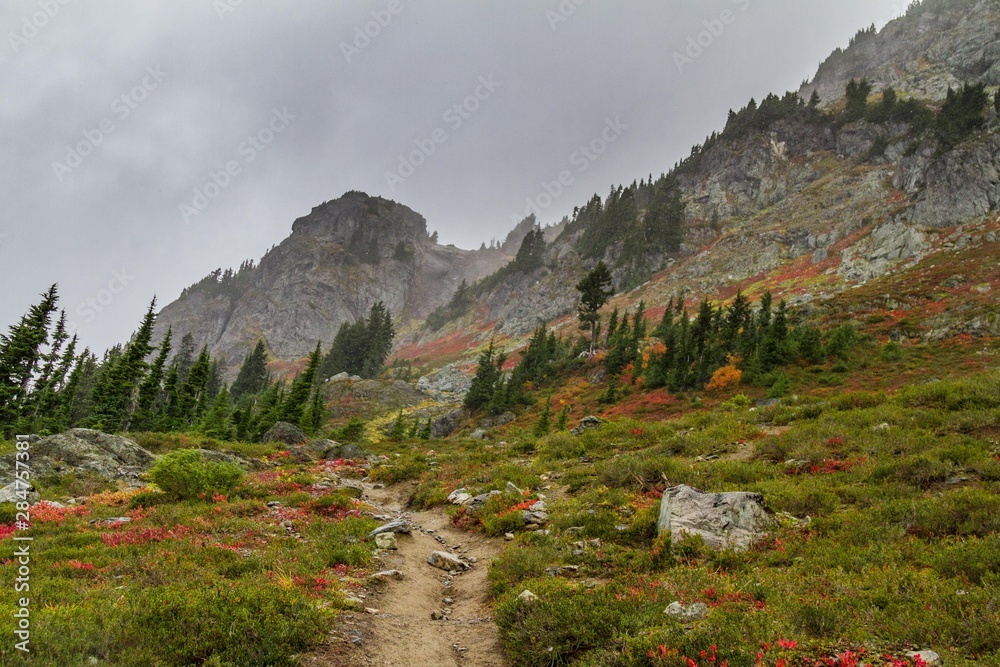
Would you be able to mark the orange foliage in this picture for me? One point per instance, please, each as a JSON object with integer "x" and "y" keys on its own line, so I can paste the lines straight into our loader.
{"x": 725, "y": 377}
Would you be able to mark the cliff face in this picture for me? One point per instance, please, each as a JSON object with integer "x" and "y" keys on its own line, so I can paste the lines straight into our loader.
{"x": 938, "y": 43}
{"x": 339, "y": 260}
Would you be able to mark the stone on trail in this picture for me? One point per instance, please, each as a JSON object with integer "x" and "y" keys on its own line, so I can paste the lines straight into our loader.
{"x": 386, "y": 575}
{"x": 459, "y": 497}
{"x": 723, "y": 520}
{"x": 386, "y": 541}
{"x": 446, "y": 561}
{"x": 399, "y": 527}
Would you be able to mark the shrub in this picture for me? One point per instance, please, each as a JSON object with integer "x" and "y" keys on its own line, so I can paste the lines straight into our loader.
{"x": 184, "y": 474}
{"x": 723, "y": 378}
{"x": 891, "y": 352}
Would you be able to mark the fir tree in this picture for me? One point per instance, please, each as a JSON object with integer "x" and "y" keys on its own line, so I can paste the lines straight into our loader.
{"x": 254, "y": 375}
{"x": 595, "y": 290}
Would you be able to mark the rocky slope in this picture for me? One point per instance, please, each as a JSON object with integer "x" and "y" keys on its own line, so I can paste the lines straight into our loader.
{"x": 340, "y": 259}
{"x": 938, "y": 43}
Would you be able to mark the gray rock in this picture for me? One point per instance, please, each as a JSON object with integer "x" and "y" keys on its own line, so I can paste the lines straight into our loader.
{"x": 527, "y": 596}
{"x": 481, "y": 499}
{"x": 399, "y": 527}
{"x": 443, "y": 560}
{"x": 110, "y": 457}
{"x": 459, "y": 497}
{"x": 535, "y": 518}
{"x": 442, "y": 427}
{"x": 694, "y": 612}
{"x": 286, "y": 433}
{"x": 385, "y": 575}
{"x": 723, "y": 520}
{"x": 512, "y": 488}
{"x": 478, "y": 434}
{"x": 386, "y": 541}
{"x": 11, "y": 493}
{"x": 930, "y": 658}
{"x": 497, "y": 420}
{"x": 586, "y": 424}
{"x": 449, "y": 384}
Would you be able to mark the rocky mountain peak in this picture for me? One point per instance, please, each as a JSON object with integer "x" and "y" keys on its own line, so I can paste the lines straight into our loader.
{"x": 937, "y": 44}
{"x": 361, "y": 222}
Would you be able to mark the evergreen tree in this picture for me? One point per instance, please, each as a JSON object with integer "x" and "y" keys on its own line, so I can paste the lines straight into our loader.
{"x": 857, "y": 100}
{"x": 215, "y": 423}
{"x": 185, "y": 357}
{"x": 544, "y": 420}
{"x": 488, "y": 388}
{"x": 254, "y": 375}
{"x": 116, "y": 395}
{"x": 151, "y": 395}
{"x": 595, "y": 290}
{"x": 20, "y": 353}
{"x": 194, "y": 393}
{"x": 563, "y": 420}
{"x": 297, "y": 399}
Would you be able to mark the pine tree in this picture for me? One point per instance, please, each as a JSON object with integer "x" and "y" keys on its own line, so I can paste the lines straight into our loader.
{"x": 857, "y": 99}
{"x": 20, "y": 353}
{"x": 544, "y": 420}
{"x": 595, "y": 290}
{"x": 297, "y": 400}
{"x": 488, "y": 388}
{"x": 194, "y": 393}
{"x": 254, "y": 375}
{"x": 563, "y": 420}
{"x": 151, "y": 390}
{"x": 215, "y": 423}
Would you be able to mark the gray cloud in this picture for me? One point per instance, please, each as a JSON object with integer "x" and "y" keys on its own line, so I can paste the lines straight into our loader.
{"x": 564, "y": 69}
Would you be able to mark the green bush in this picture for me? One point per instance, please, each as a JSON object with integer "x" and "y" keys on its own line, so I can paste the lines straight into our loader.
{"x": 185, "y": 474}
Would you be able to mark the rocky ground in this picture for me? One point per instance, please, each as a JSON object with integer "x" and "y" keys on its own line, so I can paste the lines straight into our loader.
{"x": 423, "y": 616}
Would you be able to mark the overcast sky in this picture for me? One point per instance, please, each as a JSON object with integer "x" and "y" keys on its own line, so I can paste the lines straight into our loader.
{"x": 113, "y": 114}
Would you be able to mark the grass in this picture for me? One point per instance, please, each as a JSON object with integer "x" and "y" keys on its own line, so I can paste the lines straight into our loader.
{"x": 213, "y": 581}
{"x": 890, "y": 544}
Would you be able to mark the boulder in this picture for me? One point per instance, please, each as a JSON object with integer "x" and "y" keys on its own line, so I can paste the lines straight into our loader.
{"x": 386, "y": 541}
{"x": 691, "y": 612}
{"x": 448, "y": 384}
{"x": 442, "y": 427}
{"x": 478, "y": 434}
{"x": 527, "y": 596}
{"x": 929, "y": 658}
{"x": 586, "y": 424}
{"x": 286, "y": 433}
{"x": 80, "y": 450}
{"x": 481, "y": 499}
{"x": 723, "y": 520}
{"x": 399, "y": 527}
{"x": 443, "y": 560}
{"x": 459, "y": 497}
{"x": 12, "y": 493}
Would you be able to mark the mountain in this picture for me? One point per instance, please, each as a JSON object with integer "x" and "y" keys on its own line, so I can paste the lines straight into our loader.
{"x": 806, "y": 201}
{"x": 339, "y": 260}
{"x": 938, "y": 43}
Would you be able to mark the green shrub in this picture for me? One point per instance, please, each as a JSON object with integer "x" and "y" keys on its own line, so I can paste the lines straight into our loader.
{"x": 8, "y": 513}
{"x": 919, "y": 471}
{"x": 891, "y": 352}
{"x": 185, "y": 474}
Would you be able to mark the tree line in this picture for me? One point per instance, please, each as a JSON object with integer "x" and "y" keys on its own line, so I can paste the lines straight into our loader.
{"x": 48, "y": 386}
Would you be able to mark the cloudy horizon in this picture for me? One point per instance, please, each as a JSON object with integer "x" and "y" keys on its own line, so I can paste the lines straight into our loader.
{"x": 149, "y": 144}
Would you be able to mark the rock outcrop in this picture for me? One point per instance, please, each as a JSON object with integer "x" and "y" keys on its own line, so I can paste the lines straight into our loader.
{"x": 723, "y": 520}
{"x": 935, "y": 45}
{"x": 80, "y": 450}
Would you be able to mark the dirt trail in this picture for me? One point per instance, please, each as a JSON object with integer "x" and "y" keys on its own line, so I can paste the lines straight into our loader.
{"x": 402, "y": 633}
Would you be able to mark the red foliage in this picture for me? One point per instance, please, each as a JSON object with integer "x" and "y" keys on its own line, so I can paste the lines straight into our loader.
{"x": 143, "y": 536}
